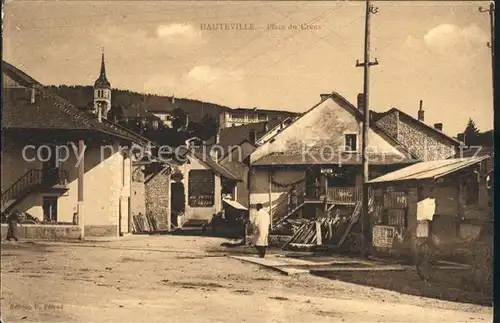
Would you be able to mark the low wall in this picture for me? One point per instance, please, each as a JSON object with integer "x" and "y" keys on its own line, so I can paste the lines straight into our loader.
{"x": 59, "y": 232}
{"x": 44, "y": 232}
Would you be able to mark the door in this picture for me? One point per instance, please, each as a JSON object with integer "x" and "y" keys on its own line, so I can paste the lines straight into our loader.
{"x": 49, "y": 166}
{"x": 124, "y": 215}
{"x": 50, "y": 209}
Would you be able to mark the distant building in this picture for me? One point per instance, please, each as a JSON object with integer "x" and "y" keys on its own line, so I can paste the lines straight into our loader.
{"x": 240, "y": 116}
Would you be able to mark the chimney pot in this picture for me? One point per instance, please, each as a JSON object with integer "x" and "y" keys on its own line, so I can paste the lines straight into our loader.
{"x": 33, "y": 93}
{"x": 421, "y": 112}
{"x": 438, "y": 126}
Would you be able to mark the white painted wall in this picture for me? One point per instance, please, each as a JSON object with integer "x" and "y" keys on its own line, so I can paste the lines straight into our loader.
{"x": 103, "y": 185}
{"x": 204, "y": 213}
{"x": 324, "y": 125}
{"x": 259, "y": 187}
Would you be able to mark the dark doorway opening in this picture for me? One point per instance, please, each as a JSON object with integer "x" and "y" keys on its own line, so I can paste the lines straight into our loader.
{"x": 178, "y": 205}
{"x": 50, "y": 209}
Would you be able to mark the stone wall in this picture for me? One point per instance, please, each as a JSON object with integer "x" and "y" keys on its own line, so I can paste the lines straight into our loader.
{"x": 158, "y": 199}
{"x": 390, "y": 123}
{"x": 138, "y": 194}
{"x": 46, "y": 232}
{"x": 421, "y": 141}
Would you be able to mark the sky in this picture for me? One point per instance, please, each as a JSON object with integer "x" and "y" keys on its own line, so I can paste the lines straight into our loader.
{"x": 430, "y": 51}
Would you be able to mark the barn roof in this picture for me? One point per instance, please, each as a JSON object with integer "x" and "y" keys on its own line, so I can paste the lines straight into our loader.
{"x": 429, "y": 169}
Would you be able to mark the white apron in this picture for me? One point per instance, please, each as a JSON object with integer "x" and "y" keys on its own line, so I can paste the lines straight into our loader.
{"x": 261, "y": 224}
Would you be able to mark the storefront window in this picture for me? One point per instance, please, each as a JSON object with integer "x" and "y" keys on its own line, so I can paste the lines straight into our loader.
{"x": 201, "y": 188}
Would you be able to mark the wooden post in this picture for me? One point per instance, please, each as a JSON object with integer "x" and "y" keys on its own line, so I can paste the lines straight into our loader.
{"x": 319, "y": 240}
{"x": 271, "y": 197}
{"x": 366, "y": 115}
{"x": 81, "y": 174}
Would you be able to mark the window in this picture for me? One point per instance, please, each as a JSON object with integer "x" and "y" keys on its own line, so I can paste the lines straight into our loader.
{"x": 201, "y": 188}
{"x": 351, "y": 142}
{"x": 50, "y": 208}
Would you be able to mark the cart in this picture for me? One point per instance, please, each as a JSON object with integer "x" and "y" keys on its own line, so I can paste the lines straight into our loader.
{"x": 471, "y": 252}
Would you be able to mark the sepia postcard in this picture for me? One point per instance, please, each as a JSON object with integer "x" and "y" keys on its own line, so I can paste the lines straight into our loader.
{"x": 247, "y": 161}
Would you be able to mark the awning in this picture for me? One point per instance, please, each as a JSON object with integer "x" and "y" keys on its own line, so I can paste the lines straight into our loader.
{"x": 235, "y": 204}
{"x": 428, "y": 170}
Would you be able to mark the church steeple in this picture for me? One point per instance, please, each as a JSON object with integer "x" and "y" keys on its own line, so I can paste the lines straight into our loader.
{"x": 102, "y": 81}
{"x": 102, "y": 93}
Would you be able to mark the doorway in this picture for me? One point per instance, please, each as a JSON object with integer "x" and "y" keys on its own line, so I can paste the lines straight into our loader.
{"x": 178, "y": 202}
{"x": 50, "y": 171}
{"x": 50, "y": 209}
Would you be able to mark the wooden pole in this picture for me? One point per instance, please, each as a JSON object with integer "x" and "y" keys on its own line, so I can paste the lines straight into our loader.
{"x": 491, "y": 44}
{"x": 366, "y": 124}
{"x": 81, "y": 174}
{"x": 271, "y": 196}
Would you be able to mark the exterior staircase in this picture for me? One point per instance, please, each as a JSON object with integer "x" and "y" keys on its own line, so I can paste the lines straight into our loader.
{"x": 33, "y": 181}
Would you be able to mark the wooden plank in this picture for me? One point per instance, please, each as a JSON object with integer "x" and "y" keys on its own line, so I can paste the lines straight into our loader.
{"x": 319, "y": 239}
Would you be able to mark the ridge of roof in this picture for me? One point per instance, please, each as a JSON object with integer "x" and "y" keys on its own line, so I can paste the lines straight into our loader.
{"x": 66, "y": 107}
{"x": 441, "y": 133}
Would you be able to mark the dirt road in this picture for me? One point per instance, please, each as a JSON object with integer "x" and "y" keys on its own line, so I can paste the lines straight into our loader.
{"x": 189, "y": 279}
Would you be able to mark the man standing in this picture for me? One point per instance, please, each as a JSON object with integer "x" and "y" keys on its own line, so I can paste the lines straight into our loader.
{"x": 261, "y": 223}
{"x": 13, "y": 220}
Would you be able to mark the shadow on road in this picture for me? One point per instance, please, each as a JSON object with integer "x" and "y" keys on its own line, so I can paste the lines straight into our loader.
{"x": 448, "y": 285}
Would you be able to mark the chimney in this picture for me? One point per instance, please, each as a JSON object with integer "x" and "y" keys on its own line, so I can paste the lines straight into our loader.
{"x": 33, "y": 93}
{"x": 361, "y": 102}
{"x": 461, "y": 137}
{"x": 421, "y": 112}
{"x": 253, "y": 137}
{"x": 438, "y": 126}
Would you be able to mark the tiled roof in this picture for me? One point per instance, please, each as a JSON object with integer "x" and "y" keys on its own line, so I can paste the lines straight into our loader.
{"x": 49, "y": 110}
{"x": 429, "y": 170}
{"x": 320, "y": 157}
{"x": 233, "y": 136}
{"x": 182, "y": 151}
{"x": 326, "y": 132}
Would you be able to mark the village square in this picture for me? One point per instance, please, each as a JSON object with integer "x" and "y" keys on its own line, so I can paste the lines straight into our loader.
{"x": 161, "y": 174}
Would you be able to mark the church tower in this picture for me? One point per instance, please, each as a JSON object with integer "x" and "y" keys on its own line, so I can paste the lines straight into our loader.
{"x": 102, "y": 93}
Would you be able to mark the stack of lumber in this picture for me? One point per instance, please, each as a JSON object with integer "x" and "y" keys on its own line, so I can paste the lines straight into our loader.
{"x": 328, "y": 230}
{"x": 144, "y": 223}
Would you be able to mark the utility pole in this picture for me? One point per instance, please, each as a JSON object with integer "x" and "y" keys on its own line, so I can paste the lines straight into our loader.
{"x": 366, "y": 124}
{"x": 491, "y": 44}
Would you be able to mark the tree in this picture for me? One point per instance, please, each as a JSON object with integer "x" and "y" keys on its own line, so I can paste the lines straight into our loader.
{"x": 471, "y": 133}
{"x": 210, "y": 126}
{"x": 179, "y": 118}
{"x": 115, "y": 114}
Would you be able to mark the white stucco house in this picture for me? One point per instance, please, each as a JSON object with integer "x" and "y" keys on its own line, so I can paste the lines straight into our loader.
{"x": 68, "y": 170}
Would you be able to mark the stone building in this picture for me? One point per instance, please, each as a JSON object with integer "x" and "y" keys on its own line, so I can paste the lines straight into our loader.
{"x": 424, "y": 141}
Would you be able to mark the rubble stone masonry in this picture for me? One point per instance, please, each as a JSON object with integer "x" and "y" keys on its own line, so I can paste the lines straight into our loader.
{"x": 418, "y": 139}
{"x": 158, "y": 199}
